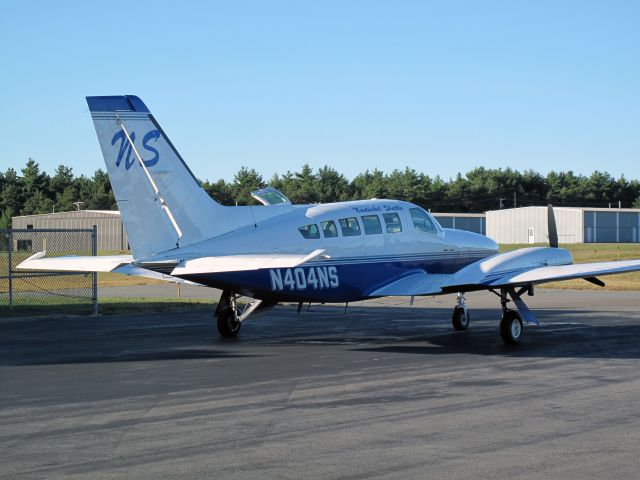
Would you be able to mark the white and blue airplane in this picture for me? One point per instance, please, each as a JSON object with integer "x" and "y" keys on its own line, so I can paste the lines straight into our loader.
{"x": 279, "y": 252}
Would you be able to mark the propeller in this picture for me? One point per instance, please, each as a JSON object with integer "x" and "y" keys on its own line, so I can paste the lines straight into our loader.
{"x": 553, "y": 242}
{"x": 553, "y": 232}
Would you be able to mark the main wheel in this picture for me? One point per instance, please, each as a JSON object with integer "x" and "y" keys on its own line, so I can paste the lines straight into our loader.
{"x": 228, "y": 324}
{"x": 460, "y": 319}
{"x": 511, "y": 327}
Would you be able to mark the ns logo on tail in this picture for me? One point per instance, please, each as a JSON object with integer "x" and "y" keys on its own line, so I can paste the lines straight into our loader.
{"x": 125, "y": 148}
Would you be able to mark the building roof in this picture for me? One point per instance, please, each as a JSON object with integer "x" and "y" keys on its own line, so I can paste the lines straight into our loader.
{"x": 79, "y": 213}
{"x": 459, "y": 215}
{"x": 583, "y": 209}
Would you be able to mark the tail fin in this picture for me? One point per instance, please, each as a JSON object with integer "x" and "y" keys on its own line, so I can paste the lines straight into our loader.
{"x": 161, "y": 203}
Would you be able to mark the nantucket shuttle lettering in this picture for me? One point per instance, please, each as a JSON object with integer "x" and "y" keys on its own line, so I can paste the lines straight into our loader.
{"x": 377, "y": 209}
{"x": 304, "y": 278}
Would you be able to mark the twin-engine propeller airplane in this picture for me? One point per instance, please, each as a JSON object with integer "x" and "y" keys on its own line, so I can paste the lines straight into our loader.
{"x": 279, "y": 252}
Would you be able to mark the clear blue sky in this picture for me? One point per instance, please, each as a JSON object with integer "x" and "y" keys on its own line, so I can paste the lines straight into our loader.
{"x": 441, "y": 87}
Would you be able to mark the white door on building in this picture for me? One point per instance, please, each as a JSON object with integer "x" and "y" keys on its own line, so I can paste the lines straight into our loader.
{"x": 531, "y": 235}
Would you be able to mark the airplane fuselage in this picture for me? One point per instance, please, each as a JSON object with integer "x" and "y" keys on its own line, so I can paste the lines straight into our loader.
{"x": 365, "y": 243}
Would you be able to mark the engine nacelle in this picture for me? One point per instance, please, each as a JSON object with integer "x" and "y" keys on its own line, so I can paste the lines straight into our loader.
{"x": 494, "y": 267}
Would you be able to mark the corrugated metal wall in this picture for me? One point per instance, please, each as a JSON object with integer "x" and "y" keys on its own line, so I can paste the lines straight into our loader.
{"x": 111, "y": 234}
{"x": 470, "y": 223}
{"x": 529, "y": 225}
{"x": 616, "y": 226}
{"x": 575, "y": 225}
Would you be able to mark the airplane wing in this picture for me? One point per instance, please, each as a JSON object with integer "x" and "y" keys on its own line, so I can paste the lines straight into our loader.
{"x": 566, "y": 272}
{"x": 522, "y": 267}
{"x": 418, "y": 282}
{"x": 237, "y": 263}
{"x": 534, "y": 275}
{"x": 104, "y": 263}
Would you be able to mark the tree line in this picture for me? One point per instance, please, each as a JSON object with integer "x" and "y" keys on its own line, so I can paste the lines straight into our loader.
{"x": 34, "y": 191}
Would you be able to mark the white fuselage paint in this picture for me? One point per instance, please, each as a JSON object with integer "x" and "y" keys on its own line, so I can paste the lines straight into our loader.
{"x": 279, "y": 234}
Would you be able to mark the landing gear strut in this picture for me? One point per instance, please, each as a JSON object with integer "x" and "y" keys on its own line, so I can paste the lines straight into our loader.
{"x": 227, "y": 315}
{"x": 230, "y": 314}
{"x": 460, "y": 318}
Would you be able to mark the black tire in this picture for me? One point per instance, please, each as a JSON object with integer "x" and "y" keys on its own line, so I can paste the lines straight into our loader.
{"x": 460, "y": 320}
{"x": 511, "y": 327}
{"x": 228, "y": 325}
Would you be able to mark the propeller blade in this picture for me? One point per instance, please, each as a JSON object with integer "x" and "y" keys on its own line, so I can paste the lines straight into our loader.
{"x": 553, "y": 232}
{"x": 595, "y": 281}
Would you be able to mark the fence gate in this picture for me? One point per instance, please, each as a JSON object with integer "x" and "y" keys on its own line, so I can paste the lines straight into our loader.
{"x": 40, "y": 291}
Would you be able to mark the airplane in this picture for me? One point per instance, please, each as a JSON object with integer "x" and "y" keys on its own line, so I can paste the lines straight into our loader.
{"x": 279, "y": 252}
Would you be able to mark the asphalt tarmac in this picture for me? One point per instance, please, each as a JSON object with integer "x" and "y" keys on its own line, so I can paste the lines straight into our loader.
{"x": 386, "y": 390}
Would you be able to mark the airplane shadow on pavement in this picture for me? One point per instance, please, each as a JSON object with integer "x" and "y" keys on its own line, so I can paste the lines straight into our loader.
{"x": 403, "y": 331}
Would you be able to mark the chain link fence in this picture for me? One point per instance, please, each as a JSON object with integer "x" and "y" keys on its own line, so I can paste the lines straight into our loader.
{"x": 31, "y": 291}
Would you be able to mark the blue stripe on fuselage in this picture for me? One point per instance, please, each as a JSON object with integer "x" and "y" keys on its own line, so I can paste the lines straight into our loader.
{"x": 315, "y": 282}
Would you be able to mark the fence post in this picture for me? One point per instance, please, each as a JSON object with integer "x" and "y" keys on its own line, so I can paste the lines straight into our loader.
{"x": 94, "y": 252}
{"x": 10, "y": 266}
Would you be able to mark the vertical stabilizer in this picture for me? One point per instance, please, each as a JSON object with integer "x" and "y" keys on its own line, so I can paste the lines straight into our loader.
{"x": 161, "y": 202}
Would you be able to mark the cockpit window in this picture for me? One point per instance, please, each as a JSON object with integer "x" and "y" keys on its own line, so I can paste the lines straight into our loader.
{"x": 421, "y": 221}
{"x": 310, "y": 231}
{"x": 392, "y": 221}
{"x": 371, "y": 224}
{"x": 349, "y": 226}
{"x": 329, "y": 229}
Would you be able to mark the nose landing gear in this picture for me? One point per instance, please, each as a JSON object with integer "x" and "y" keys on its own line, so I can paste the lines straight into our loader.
{"x": 460, "y": 318}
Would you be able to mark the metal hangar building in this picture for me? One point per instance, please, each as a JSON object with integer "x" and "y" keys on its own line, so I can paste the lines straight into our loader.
{"x": 110, "y": 232}
{"x": 575, "y": 225}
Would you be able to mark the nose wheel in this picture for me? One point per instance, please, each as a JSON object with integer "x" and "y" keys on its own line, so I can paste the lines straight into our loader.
{"x": 460, "y": 318}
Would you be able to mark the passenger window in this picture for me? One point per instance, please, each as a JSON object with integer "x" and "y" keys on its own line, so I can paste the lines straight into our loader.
{"x": 421, "y": 220}
{"x": 310, "y": 231}
{"x": 349, "y": 226}
{"x": 392, "y": 221}
{"x": 329, "y": 229}
{"x": 371, "y": 224}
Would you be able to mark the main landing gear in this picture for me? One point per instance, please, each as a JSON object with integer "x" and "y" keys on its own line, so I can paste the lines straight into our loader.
{"x": 511, "y": 323}
{"x": 230, "y": 313}
{"x": 511, "y": 327}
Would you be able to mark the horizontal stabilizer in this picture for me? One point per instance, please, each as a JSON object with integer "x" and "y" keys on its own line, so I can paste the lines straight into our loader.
{"x": 105, "y": 263}
{"x": 237, "y": 263}
{"x": 143, "y": 272}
